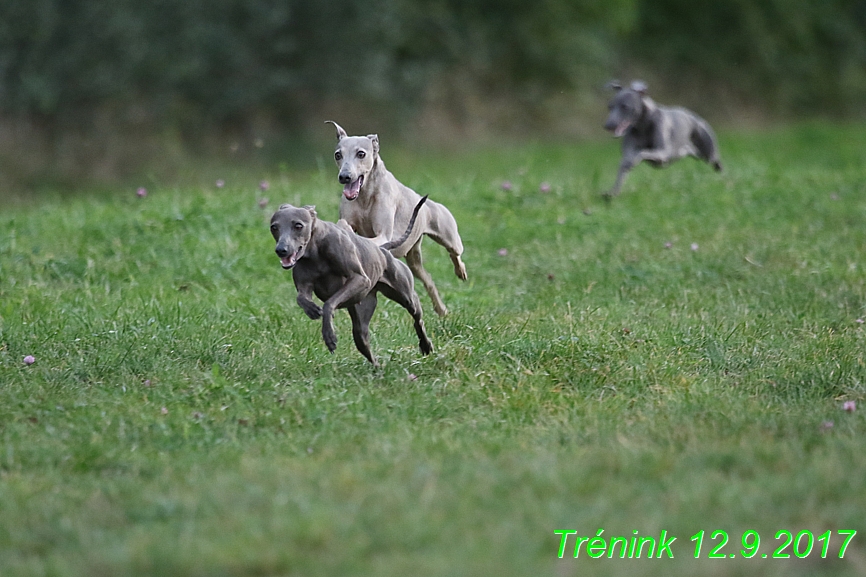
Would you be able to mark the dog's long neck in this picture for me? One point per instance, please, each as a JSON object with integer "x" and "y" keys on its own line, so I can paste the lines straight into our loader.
{"x": 312, "y": 250}
{"x": 375, "y": 177}
{"x": 648, "y": 110}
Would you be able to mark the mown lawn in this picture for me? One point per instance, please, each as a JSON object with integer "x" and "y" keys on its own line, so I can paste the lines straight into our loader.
{"x": 676, "y": 360}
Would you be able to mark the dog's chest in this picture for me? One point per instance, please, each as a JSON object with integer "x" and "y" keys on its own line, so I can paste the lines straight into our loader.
{"x": 325, "y": 280}
{"x": 358, "y": 218}
{"x": 643, "y": 136}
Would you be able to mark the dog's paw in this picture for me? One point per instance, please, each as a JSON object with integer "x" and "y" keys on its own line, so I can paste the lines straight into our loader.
{"x": 313, "y": 311}
{"x": 330, "y": 338}
{"x": 426, "y": 346}
{"x": 460, "y": 271}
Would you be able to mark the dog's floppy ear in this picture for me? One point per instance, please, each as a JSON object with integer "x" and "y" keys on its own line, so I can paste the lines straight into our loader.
{"x": 640, "y": 87}
{"x": 284, "y": 207}
{"x": 614, "y": 85}
{"x": 311, "y": 208}
{"x": 341, "y": 134}
{"x": 375, "y": 139}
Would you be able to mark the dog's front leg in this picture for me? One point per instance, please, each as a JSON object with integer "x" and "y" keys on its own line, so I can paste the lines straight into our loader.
{"x": 628, "y": 162}
{"x": 305, "y": 301}
{"x": 356, "y": 285}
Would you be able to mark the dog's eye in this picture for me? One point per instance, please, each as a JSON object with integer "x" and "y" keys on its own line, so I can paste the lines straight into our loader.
{"x": 299, "y": 225}
{"x": 338, "y": 156}
{"x": 274, "y": 228}
{"x": 361, "y": 154}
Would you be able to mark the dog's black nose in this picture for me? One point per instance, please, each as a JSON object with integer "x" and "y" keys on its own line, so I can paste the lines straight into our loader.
{"x": 281, "y": 251}
{"x": 345, "y": 178}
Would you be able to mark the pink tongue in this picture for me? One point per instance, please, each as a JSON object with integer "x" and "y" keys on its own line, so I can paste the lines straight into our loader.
{"x": 352, "y": 189}
{"x": 621, "y": 128}
{"x": 289, "y": 261}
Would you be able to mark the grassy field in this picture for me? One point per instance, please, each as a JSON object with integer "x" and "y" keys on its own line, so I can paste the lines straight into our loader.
{"x": 676, "y": 360}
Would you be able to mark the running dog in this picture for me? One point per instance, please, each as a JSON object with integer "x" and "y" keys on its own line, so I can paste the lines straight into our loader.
{"x": 656, "y": 134}
{"x": 344, "y": 270}
{"x": 376, "y": 205}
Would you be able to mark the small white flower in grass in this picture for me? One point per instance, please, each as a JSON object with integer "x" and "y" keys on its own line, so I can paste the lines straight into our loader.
{"x": 695, "y": 246}
{"x": 164, "y": 411}
{"x": 826, "y": 425}
{"x": 29, "y": 360}
{"x": 263, "y": 203}
{"x": 503, "y": 252}
{"x": 544, "y": 187}
{"x": 860, "y": 321}
{"x": 220, "y": 183}
{"x": 849, "y": 406}
{"x": 264, "y": 185}
{"x": 413, "y": 377}
{"x": 259, "y": 143}
{"x": 669, "y": 244}
{"x": 506, "y": 185}
{"x": 141, "y": 192}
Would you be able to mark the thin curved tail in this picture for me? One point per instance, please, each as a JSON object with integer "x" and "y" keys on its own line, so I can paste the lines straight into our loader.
{"x": 391, "y": 245}
{"x": 705, "y": 141}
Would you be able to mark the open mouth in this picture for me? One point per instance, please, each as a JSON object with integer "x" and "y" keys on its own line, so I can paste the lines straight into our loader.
{"x": 351, "y": 190}
{"x": 621, "y": 128}
{"x": 290, "y": 261}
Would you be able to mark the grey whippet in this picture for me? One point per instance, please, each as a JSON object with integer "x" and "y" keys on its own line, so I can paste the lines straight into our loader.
{"x": 346, "y": 271}
{"x": 376, "y": 205}
{"x": 656, "y": 134}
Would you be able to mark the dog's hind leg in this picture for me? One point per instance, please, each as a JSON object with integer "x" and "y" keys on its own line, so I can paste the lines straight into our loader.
{"x": 455, "y": 249}
{"x": 416, "y": 265}
{"x": 361, "y": 314}
{"x": 400, "y": 289}
{"x": 443, "y": 230}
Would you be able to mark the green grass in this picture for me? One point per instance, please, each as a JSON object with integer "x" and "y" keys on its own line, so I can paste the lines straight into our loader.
{"x": 183, "y": 416}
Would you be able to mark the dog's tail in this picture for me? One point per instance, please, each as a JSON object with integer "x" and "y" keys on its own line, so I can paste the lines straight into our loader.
{"x": 391, "y": 245}
{"x": 705, "y": 141}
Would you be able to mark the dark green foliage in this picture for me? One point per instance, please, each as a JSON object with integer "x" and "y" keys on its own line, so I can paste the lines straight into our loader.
{"x": 224, "y": 60}
{"x": 787, "y": 55}
{"x": 229, "y": 58}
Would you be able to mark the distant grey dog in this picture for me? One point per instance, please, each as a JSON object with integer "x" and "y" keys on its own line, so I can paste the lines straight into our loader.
{"x": 377, "y": 205}
{"x": 345, "y": 271}
{"x": 657, "y": 134}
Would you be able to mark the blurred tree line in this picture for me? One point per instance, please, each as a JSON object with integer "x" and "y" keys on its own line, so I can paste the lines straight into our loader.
{"x": 192, "y": 64}
{"x": 226, "y": 58}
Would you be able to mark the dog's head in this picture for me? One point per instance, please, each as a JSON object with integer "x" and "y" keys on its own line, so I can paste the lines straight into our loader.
{"x": 292, "y": 228}
{"x": 626, "y": 107}
{"x": 355, "y": 155}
